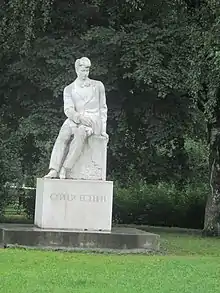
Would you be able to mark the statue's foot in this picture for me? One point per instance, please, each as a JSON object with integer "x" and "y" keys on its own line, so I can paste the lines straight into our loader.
{"x": 65, "y": 173}
{"x": 62, "y": 174}
{"x": 52, "y": 174}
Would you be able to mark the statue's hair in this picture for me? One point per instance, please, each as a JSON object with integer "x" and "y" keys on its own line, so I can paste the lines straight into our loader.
{"x": 84, "y": 61}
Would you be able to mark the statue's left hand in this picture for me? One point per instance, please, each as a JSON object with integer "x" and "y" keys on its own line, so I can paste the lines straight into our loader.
{"x": 104, "y": 134}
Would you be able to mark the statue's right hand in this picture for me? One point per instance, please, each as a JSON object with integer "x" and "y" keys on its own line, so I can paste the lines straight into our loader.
{"x": 86, "y": 121}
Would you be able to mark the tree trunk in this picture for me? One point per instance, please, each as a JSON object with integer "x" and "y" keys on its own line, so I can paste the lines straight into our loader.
{"x": 212, "y": 211}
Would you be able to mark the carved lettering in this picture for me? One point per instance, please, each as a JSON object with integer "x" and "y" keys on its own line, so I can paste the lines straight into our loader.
{"x": 71, "y": 197}
{"x": 53, "y": 196}
{"x": 82, "y": 197}
{"x": 104, "y": 199}
{"x": 62, "y": 196}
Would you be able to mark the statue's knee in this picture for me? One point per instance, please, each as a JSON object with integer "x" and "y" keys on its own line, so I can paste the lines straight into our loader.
{"x": 64, "y": 136}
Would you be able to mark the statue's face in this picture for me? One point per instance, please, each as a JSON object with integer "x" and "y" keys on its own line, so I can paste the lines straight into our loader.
{"x": 83, "y": 72}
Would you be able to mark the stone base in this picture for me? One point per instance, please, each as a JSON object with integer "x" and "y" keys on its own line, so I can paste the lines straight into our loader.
{"x": 126, "y": 240}
{"x": 74, "y": 204}
{"x": 92, "y": 161}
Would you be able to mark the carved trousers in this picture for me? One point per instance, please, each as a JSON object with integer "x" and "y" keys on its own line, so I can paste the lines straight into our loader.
{"x": 68, "y": 146}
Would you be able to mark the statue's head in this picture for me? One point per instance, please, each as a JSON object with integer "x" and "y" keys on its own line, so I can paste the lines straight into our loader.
{"x": 82, "y": 67}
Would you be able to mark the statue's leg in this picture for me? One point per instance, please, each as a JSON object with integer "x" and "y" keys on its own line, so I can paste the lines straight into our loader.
{"x": 76, "y": 147}
{"x": 58, "y": 151}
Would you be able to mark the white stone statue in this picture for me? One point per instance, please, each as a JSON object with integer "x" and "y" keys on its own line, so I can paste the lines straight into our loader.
{"x": 80, "y": 148}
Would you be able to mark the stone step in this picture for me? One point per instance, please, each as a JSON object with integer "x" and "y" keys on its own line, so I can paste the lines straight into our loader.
{"x": 119, "y": 239}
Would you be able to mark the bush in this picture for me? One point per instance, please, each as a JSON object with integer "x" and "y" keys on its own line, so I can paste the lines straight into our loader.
{"x": 28, "y": 203}
{"x": 22, "y": 203}
{"x": 5, "y": 199}
{"x": 160, "y": 205}
{"x": 163, "y": 204}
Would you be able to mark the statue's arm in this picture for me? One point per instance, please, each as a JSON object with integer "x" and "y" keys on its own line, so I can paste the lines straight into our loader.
{"x": 69, "y": 108}
{"x": 103, "y": 107}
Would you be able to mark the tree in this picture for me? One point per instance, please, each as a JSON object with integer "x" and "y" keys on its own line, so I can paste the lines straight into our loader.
{"x": 159, "y": 60}
{"x": 177, "y": 53}
{"x": 205, "y": 87}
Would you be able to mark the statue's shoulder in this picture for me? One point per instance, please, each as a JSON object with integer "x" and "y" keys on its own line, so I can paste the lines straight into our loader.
{"x": 69, "y": 87}
{"x": 97, "y": 83}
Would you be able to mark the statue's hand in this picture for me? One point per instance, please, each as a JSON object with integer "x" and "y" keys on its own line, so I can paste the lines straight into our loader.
{"x": 86, "y": 121}
{"x": 105, "y": 135}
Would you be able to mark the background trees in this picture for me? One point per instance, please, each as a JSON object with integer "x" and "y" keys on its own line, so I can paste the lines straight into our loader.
{"x": 159, "y": 61}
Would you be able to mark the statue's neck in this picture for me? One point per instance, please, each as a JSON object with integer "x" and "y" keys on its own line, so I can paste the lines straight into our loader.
{"x": 82, "y": 83}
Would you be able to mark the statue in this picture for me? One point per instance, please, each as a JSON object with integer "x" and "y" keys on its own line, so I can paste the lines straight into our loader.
{"x": 86, "y": 111}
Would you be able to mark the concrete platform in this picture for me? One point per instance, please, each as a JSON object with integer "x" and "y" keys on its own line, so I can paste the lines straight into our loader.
{"x": 119, "y": 239}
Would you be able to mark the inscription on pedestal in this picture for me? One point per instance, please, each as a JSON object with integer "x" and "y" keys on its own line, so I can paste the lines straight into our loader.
{"x": 75, "y": 204}
{"x": 77, "y": 197}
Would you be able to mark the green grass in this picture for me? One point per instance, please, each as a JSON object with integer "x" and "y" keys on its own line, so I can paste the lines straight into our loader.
{"x": 189, "y": 245}
{"x": 191, "y": 265}
{"x": 34, "y": 271}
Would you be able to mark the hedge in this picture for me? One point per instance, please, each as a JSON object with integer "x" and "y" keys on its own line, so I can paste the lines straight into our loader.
{"x": 163, "y": 204}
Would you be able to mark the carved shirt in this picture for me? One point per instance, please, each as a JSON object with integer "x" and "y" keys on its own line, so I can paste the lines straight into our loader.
{"x": 88, "y": 100}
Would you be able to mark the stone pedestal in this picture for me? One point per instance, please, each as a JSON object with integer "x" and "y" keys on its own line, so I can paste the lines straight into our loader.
{"x": 92, "y": 162}
{"x": 74, "y": 204}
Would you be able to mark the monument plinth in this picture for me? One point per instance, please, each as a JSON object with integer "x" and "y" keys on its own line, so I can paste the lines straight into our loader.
{"x": 74, "y": 204}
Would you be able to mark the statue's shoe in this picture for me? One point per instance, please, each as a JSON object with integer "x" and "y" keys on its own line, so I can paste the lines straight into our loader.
{"x": 51, "y": 174}
{"x": 65, "y": 174}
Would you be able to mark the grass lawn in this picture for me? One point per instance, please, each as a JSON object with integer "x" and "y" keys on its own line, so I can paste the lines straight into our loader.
{"x": 191, "y": 264}
{"x": 189, "y": 245}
